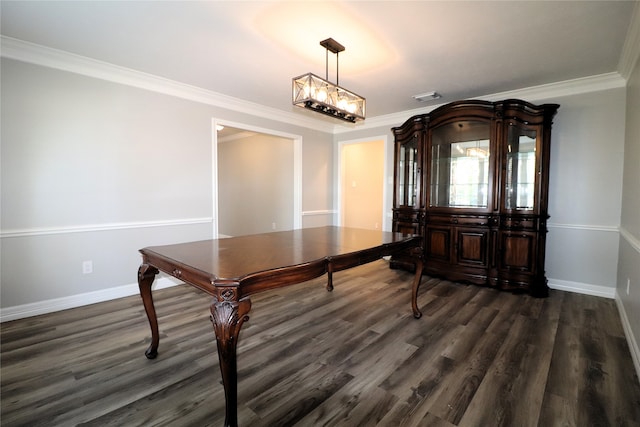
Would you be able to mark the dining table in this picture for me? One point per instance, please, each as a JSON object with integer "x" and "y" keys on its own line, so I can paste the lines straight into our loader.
{"x": 232, "y": 269}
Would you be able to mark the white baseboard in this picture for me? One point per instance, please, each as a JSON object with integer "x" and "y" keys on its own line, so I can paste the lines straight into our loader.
{"x": 64, "y": 303}
{"x": 74, "y": 301}
{"x": 583, "y": 288}
{"x": 628, "y": 332}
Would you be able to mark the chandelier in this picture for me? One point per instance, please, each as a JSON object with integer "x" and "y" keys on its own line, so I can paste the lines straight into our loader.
{"x": 318, "y": 94}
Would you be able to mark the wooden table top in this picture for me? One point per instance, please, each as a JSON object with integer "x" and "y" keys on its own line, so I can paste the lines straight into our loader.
{"x": 237, "y": 257}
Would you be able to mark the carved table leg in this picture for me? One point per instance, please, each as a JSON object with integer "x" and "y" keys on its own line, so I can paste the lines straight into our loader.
{"x": 146, "y": 276}
{"x": 227, "y": 316}
{"x": 417, "y": 278}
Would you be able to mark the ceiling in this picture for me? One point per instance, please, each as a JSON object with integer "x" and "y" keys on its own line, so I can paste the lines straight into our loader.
{"x": 251, "y": 50}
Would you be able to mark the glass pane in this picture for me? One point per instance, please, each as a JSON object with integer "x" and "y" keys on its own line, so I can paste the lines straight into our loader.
{"x": 521, "y": 168}
{"x": 401, "y": 178}
{"x": 408, "y": 173}
{"x": 460, "y": 165}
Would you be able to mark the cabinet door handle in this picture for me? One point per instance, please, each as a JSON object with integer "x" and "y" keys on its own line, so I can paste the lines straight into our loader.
{"x": 454, "y": 220}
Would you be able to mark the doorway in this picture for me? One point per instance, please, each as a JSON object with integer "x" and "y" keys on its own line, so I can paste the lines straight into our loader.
{"x": 257, "y": 180}
{"x": 362, "y": 189}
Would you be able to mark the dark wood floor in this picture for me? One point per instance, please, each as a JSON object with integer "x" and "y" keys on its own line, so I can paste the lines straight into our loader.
{"x": 308, "y": 357}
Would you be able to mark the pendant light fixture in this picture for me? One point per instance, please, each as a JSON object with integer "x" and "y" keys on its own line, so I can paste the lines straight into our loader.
{"x": 318, "y": 94}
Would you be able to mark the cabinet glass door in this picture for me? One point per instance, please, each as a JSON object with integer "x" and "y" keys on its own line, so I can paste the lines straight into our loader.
{"x": 520, "y": 179}
{"x": 460, "y": 154}
{"x": 408, "y": 170}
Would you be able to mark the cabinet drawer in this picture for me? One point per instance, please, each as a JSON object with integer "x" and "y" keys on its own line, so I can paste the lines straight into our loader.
{"x": 408, "y": 216}
{"x": 520, "y": 223}
{"x": 458, "y": 220}
{"x": 407, "y": 221}
{"x": 405, "y": 217}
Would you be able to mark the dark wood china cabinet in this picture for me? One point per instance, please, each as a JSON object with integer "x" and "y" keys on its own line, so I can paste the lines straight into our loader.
{"x": 472, "y": 177}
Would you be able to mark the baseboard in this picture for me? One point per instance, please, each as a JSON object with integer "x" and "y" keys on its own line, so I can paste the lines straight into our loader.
{"x": 583, "y": 288}
{"x": 74, "y": 301}
{"x": 58, "y": 304}
{"x": 628, "y": 332}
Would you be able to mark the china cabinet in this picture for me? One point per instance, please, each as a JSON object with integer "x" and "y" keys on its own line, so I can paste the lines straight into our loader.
{"x": 472, "y": 178}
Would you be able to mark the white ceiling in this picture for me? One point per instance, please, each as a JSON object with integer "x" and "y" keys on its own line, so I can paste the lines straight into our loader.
{"x": 394, "y": 49}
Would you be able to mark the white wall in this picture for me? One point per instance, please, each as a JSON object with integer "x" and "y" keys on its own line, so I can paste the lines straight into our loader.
{"x": 628, "y": 274}
{"x": 95, "y": 170}
{"x": 585, "y": 191}
{"x": 319, "y": 206}
{"x": 80, "y": 155}
{"x": 255, "y": 189}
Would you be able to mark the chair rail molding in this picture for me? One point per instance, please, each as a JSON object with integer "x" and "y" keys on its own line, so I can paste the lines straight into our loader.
{"x": 588, "y": 227}
{"x": 319, "y": 212}
{"x": 43, "y": 231}
{"x": 630, "y": 238}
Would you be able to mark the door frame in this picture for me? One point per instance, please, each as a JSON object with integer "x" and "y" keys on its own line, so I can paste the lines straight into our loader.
{"x": 385, "y": 221}
{"x": 297, "y": 167}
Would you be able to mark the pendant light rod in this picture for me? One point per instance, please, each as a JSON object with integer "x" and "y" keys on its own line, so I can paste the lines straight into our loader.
{"x": 335, "y": 47}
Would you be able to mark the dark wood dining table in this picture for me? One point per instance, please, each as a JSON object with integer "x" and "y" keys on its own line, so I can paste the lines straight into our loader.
{"x": 232, "y": 269}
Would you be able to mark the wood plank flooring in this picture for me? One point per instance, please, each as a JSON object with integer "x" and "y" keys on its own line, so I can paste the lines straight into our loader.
{"x": 308, "y": 357}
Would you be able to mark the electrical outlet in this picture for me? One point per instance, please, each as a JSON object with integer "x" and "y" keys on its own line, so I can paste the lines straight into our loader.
{"x": 628, "y": 285}
{"x": 273, "y": 225}
{"x": 87, "y": 267}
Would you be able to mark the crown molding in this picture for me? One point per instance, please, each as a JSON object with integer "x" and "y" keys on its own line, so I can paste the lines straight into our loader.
{"x": 32, "y": 53}
{"x": 57, "y": 59}
{"x": 532, "y": 94}
{"x": 564, "y": 88}
{"x": 630, "y": 49}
